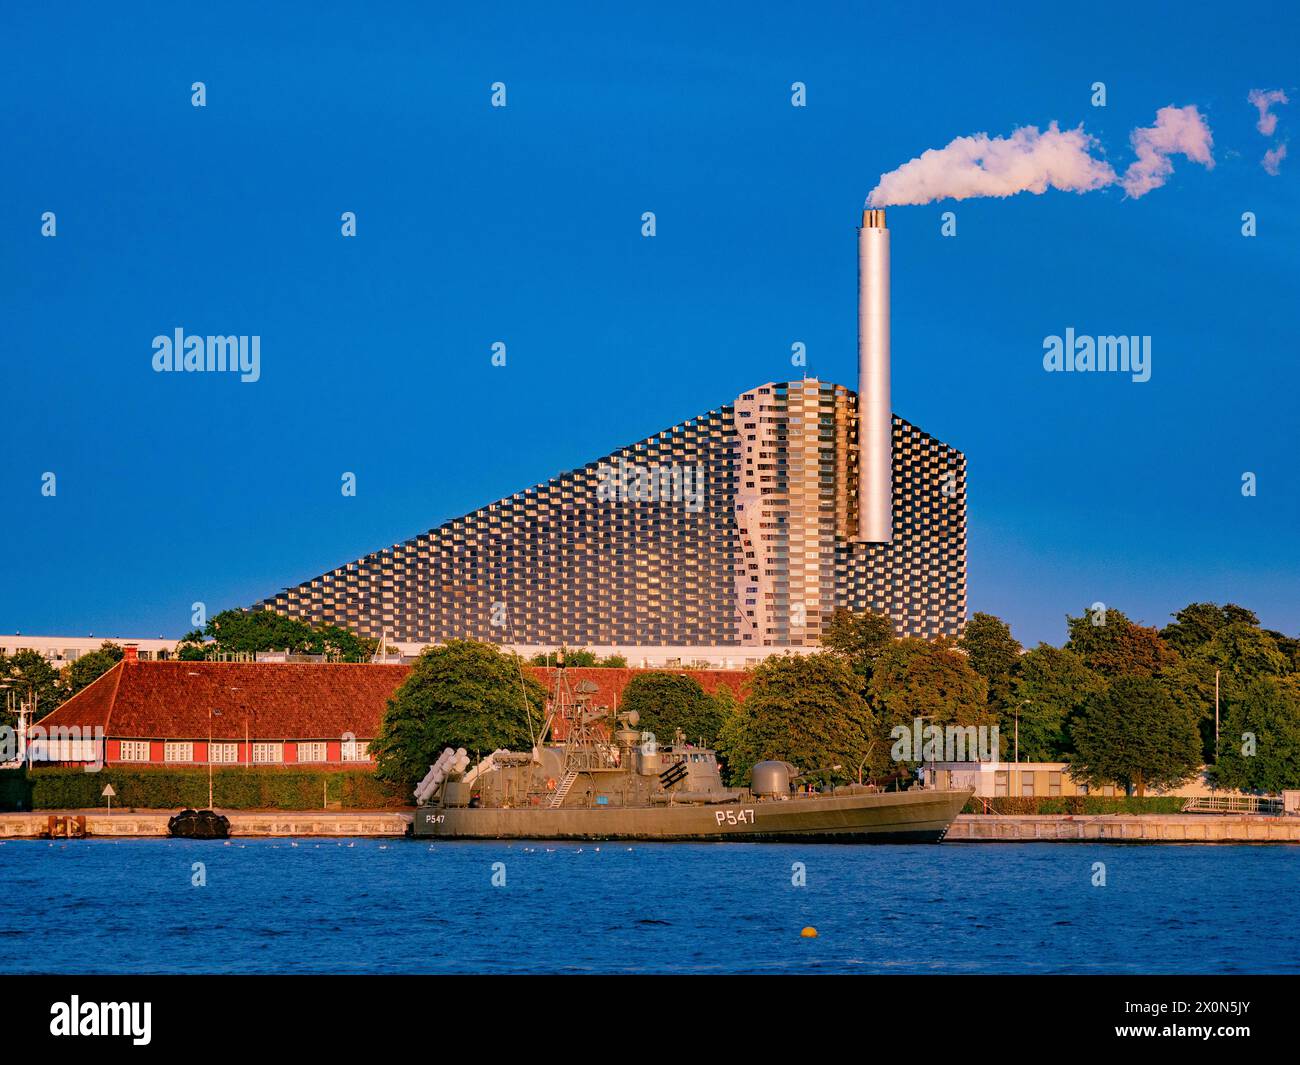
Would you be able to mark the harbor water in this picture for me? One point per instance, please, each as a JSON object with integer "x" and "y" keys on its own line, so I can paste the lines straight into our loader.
{"x": 405, "y": 906}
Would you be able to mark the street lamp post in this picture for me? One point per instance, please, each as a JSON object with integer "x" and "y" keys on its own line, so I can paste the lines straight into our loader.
{"x": 1023, "y": 702}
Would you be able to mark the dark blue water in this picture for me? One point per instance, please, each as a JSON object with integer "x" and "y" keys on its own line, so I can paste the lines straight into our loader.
{"x": 370, "y": 906}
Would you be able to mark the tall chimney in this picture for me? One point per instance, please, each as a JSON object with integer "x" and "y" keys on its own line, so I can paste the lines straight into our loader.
{"x": 875, "y": 418}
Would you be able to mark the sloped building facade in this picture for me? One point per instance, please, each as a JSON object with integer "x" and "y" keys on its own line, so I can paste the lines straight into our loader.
{"x": 734, "y": 529}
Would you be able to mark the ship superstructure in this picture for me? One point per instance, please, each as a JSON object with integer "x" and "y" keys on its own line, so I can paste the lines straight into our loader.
{"x": 593, "y": 774}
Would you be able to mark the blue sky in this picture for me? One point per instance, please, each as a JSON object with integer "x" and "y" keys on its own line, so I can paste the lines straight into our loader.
{"x": 478, "y": 224}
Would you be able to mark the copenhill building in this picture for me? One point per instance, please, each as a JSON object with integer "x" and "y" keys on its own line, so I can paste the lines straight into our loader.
{"x": 720, "y": 540}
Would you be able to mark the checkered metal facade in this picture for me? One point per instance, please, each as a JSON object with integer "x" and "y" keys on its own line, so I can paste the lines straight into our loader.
{"x": 659, "y": 543}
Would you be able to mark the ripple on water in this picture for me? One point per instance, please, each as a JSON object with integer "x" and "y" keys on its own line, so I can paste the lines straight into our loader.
{"x": 406, "y": 906}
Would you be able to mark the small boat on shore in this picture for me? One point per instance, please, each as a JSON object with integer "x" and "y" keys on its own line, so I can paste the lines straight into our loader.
{"x": 199, "y": 824}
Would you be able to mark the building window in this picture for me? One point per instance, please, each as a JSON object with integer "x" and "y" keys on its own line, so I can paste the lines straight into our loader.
{"x": 268, "y": 752}
{"x": 178, "y": 752}
{"x": 311, "y": 752}
{"x": 222, "y": 753}
{"x": 135, "y": 751}
{"x": 356, "y": 751}
{"x": 1027, "y": 784}
{"x": 1053, "y": 783}
{"x": 1001, "y": 784}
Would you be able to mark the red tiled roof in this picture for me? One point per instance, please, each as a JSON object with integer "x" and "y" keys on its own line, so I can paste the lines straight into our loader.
{"x": 611, "y": 682}
{"x": 277, "y": 701}
{"x": 90, "y": 707}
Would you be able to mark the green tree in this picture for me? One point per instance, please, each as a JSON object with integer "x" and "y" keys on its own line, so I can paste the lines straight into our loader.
{"x": 460, "y": 694}
{"x": 1133, "y": 733}
{"x": 33, "y": 680}
{"x": 91, "y": 666}
{"x": 191, "y": 647}
{"x": 1197, "y": 623}
{"x": 574, "y": 657}
{"x": 1245, "y": 651}
{"x": 341, "y": 644}
{"x": 916, "y": 678}
{"x": 1227, "y": 640}
{"x": 1113, "y": 646}
{"x": 613, "y": 662}
{"x": 1260, "y": 745}
{"x": 728, "y": 708}
{"x": 805, "y": 709}
{"x": 1050, "y": 689}
{"x": 994, "y": 654}
{"x": 665, "y": 702}
{"x": 858, "y": 638}
{"x": 8, "y": 695}
{"x": 250, "y": 631}
{"x": 1190, "y": 682}
{"x": 1289, "y": 646}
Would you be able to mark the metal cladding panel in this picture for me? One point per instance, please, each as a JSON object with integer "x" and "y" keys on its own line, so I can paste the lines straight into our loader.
{"x": 762, "y": 563}
{"x": 636, "y": 548}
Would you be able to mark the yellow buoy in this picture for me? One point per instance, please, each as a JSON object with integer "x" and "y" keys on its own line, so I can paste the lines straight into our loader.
{"x": 809, "y": 933}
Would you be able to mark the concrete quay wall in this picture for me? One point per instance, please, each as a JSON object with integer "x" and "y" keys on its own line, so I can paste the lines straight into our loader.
{"x": 246, "y": 823}
{"x": 968, "y": 828}
{"x": 1125, "y": 828}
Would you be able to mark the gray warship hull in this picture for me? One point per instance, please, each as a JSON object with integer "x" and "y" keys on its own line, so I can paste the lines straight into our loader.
{"x": 920, "y": 816}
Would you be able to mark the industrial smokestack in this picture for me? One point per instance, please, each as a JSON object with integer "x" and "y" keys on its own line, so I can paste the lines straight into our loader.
{"x": 875, "y": 419}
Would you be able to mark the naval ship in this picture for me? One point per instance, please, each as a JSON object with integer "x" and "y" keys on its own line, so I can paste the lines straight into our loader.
{"x": 592, "y": 775}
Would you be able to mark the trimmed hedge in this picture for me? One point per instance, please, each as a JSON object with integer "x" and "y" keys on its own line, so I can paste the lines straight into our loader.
{"x": 257, "y": 788}
{"x": 1077, "y": 804}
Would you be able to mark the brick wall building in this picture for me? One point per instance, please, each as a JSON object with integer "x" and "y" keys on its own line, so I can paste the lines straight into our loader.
{"x": 253, "y": 713}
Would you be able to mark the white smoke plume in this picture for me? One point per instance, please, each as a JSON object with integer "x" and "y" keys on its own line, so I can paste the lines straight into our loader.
{"x": 1263, "y": 99}
{"x": 1027, "y": 161}
{"x": 1034, "y": 161}
{"x": 1178, "y": 131}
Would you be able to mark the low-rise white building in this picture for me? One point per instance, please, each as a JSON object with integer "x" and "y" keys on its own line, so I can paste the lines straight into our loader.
{"x": 1044, "y": 780}
{"x": 59, "y": 651}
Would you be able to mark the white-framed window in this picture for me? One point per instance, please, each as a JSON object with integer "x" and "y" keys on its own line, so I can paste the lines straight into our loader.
{"x": 311, "y": 752}
{"x": 135, "y": 751}
{"x": 356, "y": 751}
{"x": 175, "y": 751}
{"x": 222, "y": 753}
{"x": 268, "y": 753}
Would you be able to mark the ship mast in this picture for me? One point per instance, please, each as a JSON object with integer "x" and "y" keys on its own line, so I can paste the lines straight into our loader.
{"x": 583, "y": 738}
